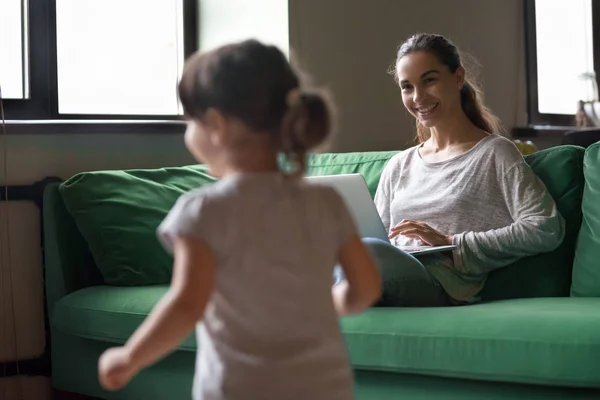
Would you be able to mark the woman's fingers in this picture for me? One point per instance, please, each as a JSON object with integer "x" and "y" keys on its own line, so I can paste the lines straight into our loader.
{"x": 403, "y": 226}
{"x": 420, "y": 230}
{"x": 421, "y": 236}
{"x": 401, "y": 229}
{"x": 413, "y": 229}
{"x": 407, "y": 230}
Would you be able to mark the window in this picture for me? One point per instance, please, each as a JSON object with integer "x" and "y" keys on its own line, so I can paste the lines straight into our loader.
{"x": 95, "y": 59}
{"x": 560, "y": 58}
{"x": 13, "y": 73}
{"x": 130, "y": 68}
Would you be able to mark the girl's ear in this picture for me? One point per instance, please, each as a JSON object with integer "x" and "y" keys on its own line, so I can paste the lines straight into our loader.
{"x": 217, "y": 126}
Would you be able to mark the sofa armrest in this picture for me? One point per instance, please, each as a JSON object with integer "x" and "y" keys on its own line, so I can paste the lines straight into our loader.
{"x": 69, "y": 265}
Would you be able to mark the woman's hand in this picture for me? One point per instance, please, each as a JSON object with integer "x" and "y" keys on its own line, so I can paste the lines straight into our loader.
{"x": 115, "y": 368}
{"x": 420, "y": 230}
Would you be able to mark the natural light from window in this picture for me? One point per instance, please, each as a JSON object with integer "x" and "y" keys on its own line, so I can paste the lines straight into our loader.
{"x": 11, "y": 50}
{"x": 119, "y": 57}
{"x": 564, "y": 54}
{"x": 226, "y": 21}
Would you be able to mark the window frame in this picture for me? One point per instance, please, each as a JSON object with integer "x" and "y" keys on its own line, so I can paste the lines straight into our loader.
{"x": 534, "y": 117}
{"x": 43, "y": 101}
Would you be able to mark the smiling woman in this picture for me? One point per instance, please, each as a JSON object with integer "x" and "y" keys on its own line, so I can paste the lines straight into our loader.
{"x": 444, "y": 73}
{"x": 463, "y": 184}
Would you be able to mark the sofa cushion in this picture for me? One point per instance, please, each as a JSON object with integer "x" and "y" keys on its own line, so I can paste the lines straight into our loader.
{"x": 549, "y": 341}
{"x": 586, "y": 269}
{"x": 117, "y": 212}
{"x": 552, "y": 341}
{"x": 547, "y": 274}
{"x": 109, "y": 313}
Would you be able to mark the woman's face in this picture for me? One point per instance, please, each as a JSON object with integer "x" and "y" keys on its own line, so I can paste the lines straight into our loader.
{"x": 430, "y": 92}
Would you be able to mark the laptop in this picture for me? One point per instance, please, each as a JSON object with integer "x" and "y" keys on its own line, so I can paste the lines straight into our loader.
{"x": 354, "y": 191}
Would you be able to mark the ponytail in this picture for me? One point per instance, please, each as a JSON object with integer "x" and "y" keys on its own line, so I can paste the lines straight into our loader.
{"x": 471, "y": 100}
{"x": 256, "y": 84}
{"x": 306, "y": 124}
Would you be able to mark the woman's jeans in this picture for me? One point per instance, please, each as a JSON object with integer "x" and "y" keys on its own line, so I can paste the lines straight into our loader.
{"x": 405, "y": 281}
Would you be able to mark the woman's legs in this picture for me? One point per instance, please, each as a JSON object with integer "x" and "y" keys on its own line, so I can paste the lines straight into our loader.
{"x": 406, "y": 282}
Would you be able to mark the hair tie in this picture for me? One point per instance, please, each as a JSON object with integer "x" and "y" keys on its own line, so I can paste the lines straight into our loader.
{"x": 293, "y": 98}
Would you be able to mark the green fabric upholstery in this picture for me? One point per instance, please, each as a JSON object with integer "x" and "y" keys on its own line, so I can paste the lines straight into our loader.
{"x": 117, "y": 212}
{"x": 75, "y": 370}
{"x": 543, "y": 341}
{"x": 368, "y": 164}
{"x": 112, "y": 211}
{"x": 377, "y": 385}
{"x": 70, "y": 265}
{"x": 552, "y": 341}
{"x": 109, "y": 313}
{"x": 547, "y": 274}
{"x": 586, "y": 268}
{"x": 99, "y": 229}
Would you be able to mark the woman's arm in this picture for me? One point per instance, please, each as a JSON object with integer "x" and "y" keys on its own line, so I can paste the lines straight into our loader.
{"x": 538, "y": 227}
{"x": 173, "y": 318}
{"x": 383, "y": 195}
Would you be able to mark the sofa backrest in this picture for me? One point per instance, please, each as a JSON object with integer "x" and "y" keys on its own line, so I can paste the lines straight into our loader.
{"x": 368, "y": 164}
{"x": 547, "y": 274}
{"x": 586, "y": 269}
{"x": 115, "y": 214}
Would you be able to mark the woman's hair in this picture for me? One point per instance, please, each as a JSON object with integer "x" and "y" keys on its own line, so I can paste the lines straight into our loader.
{"x": 254, "y": 83}
{"x": 471, "y": 95}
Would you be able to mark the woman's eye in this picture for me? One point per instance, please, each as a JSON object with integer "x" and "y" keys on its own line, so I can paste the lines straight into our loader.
{"x": 429, "y": 80}
{"x": 405, "y": 87}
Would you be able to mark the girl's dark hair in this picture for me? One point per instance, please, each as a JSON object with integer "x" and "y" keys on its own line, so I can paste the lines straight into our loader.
{"x": 471, "y": 95}
{"x": 255, "y": 83}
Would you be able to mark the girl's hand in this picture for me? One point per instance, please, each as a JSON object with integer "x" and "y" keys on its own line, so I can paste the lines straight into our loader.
{"x": 420, "y": 230}
{"x": 115, "y": 368}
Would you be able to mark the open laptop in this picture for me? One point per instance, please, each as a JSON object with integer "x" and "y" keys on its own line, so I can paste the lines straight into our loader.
{"x": 354, "y": 191}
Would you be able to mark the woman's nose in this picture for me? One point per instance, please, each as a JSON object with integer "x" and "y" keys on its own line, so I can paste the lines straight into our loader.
{"x": 419, "y": 94}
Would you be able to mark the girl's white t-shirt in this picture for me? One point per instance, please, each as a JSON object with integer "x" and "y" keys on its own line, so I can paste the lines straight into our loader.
{"x": 270, "y": 330}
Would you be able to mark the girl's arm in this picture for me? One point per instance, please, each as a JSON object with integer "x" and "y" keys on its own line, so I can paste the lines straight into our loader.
{"x": 173, "y": 318}
{"x": 176, "y": 315}
{"x": 362, "y": 287}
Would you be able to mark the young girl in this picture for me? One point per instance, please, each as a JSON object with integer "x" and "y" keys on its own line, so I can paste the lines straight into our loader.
{"x": 254, "y": 252}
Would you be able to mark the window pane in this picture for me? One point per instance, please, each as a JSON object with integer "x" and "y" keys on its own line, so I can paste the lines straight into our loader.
{"x": 564, "y": 54}
{"x": 119, "y": 57}
{"x": 226, "y": 21}
{"x": 11, "y": 49}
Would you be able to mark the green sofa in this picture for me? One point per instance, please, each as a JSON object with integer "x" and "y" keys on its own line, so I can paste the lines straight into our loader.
{"x": 536, "y": 335}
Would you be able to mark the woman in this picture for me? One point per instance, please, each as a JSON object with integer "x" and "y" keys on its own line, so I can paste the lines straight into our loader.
{"x": 462, "y": 184}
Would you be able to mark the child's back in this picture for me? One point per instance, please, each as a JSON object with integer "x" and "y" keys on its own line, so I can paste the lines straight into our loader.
{"x": 254, "y": 253}
{"x": 270, "y": 321}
